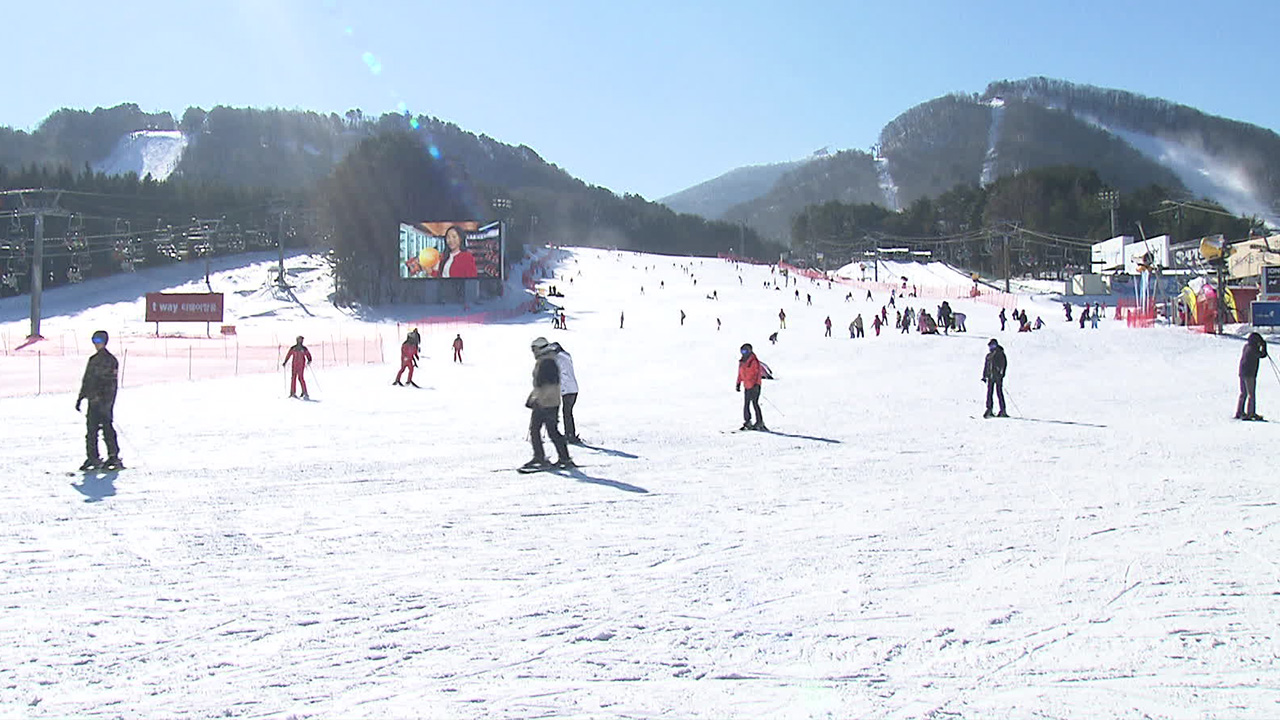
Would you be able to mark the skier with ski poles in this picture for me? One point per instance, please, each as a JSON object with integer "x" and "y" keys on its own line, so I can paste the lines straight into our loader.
{"x": 750, "y": 374}
{"x": 1255, "y": 348}
{"x": 301, "y": 358}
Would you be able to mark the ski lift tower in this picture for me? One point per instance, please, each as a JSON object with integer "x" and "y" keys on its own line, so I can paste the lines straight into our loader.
{"x": 39, "y": 204}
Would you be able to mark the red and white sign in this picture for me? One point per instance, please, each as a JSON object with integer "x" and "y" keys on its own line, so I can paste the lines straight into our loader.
{"x": 184, "y": 307}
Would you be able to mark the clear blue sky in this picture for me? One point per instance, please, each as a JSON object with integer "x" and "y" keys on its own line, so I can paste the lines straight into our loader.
{"x": 643, "y": 97}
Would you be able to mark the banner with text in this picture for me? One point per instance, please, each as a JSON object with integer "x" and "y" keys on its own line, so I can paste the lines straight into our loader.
{"x": 184, "y": 307}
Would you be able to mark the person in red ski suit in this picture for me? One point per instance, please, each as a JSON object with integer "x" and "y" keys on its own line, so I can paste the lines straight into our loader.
{"x": 457, "y": 348}
{"x": 301, "y": 358}
{"x": 408, "y": 359}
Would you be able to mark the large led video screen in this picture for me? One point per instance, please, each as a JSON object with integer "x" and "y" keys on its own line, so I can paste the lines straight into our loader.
{"x": 452, "y": 249}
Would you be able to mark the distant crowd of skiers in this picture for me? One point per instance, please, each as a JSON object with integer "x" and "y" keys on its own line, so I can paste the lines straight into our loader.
{"x": 555, "y": 386}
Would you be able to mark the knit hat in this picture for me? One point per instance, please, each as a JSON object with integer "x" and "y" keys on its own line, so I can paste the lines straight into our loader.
{"x": 993, "y": 343}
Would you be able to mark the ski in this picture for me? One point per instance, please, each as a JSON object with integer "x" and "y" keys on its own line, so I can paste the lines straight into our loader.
{"x": 523, "y": 470}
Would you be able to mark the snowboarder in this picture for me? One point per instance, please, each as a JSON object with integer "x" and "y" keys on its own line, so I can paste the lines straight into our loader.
{"x": 99, "y": 387}
{"x": 827, "y": 323}
{"x": 1255, "y": 348}
{"x": 408, "y": 361}
{"x": 993, "y": 375}
{"x": 457, "y": 348}
{"x": 544, "y": 405}
{"x": 749, "y": 374}
{"x": 568, "y": 393}
{"x": 301, "y": 358}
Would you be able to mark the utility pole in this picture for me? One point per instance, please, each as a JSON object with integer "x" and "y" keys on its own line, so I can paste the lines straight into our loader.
{"x": 38, "y": 211}
{"x": 1005, "y": 237}
{"x": 280, "y": 243}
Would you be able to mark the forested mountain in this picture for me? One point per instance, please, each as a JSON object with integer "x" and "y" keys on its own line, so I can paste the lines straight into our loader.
{"x": 714, "y": 197}
{"x": 283, "y": 166}
{"x": 1131, "y": 141}
{"x": 848, "y": 176}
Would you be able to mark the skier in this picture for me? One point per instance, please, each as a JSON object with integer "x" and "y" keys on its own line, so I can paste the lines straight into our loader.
{"x": 827, "y": 323}
{"x": 808, "y": 299}
{"x": 1084, "y": 316}
{"x": 416, "y": 337}
{"x": 869, "y": 296}
{"x": 562, "y": 325}
{"x": 622, "y": 319}
{"x": 301, "y": 358}
{"x": 958, "y": 319}
{"x": 717, "y": 324}
{"x": 544, "y": 405}
{"x": 682, "y": 316}
{"x": 875, "y": 324}
{"x": 857, "y": 324}
{"x": 1002, "y": 319}
{"x": 782, "y": 319}
{"x": 749, "y": 374}
{"x": 457, "y": 348}
{"x": 773, "y": 337}
{"x": 568, "y": 393}
{"x": 993, "y": 375}
{"x": 1093, "y": 319}
{"x": 1066, "y": 307}
{"x": 99, "y": 387}
{"x": 408, "y": 361}
{"x": 1255, "y": 348}
{"x": 853, "y": 330}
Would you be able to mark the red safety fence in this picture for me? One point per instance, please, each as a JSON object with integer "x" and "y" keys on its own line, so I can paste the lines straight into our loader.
{"x": 56, "y": 364}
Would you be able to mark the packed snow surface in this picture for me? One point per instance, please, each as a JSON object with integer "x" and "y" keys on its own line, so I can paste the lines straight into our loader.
{"x": 1107, "y": 552}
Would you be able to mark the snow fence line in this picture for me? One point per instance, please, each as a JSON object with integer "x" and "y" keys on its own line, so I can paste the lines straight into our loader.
{"x": 56, "y": 364}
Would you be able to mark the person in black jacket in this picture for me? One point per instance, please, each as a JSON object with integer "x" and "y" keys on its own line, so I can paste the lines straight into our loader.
{"x": 99, "y": 388}
{"x": 544, "y": 404}
{"x": 993, "y": 375}
{"x": 1255, "y": 348}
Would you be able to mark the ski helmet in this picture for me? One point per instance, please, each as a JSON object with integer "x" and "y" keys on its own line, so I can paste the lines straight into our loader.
{"x": 100, "y": 337}
{"x": 992, "y": 344}
{"x": 746, "y": 347}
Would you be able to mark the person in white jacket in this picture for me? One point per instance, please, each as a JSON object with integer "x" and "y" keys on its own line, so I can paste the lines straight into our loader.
{"x": 568, "y": 393}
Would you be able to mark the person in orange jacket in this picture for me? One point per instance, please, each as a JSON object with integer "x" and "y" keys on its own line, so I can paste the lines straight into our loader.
{"x": 457, "y": 348}
{"x": 301, "y": 358}
{"x": 749, "y": 374}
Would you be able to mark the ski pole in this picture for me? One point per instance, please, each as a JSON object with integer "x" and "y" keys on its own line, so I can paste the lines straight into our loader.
{"x": 1014, "y": 404}
{"x": 1273, "y": 368}
{"x": 775, "y": 407}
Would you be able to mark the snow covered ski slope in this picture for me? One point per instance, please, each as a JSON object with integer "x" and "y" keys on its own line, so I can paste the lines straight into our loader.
{"x": 1109, "y": 552}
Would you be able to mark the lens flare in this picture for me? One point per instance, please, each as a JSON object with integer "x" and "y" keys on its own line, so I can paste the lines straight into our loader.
{"x": 372, "y": 62}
